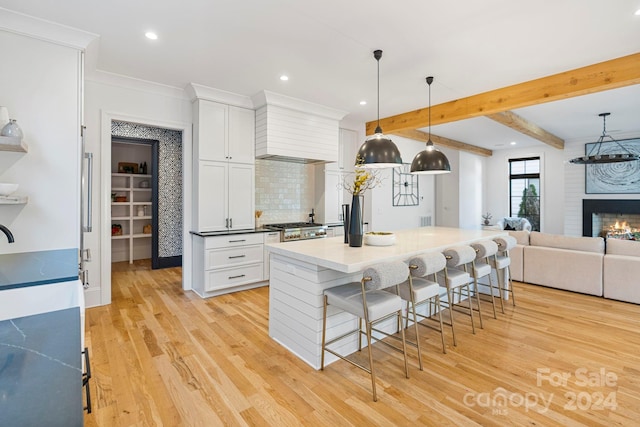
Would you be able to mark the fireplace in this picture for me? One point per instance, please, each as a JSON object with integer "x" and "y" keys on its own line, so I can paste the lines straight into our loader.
{"x": 611, "y": 218}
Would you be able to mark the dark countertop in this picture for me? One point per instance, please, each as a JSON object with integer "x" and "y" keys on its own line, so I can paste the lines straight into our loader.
{"x": 38, "y": 268}
{"x": 228, "y": 233}
{"x": 41, "y": 371}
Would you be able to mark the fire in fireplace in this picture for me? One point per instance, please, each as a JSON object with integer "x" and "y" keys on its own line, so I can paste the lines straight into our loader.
{"x": 617, "y": 219}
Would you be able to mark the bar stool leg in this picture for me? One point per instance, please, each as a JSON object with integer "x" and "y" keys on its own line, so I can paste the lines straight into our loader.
{"x": 513, "y": 294}
{"x": 324, "y": 331}
{"x": 473, "y": 326}
{"x": 444, "y": 346}
{"x": 450, "y": 303}
{"x": 415, "y": 325}
{"x": 373, "y": 375}
{"x": 501, "y": 288}
{"x": 493, "y": 300}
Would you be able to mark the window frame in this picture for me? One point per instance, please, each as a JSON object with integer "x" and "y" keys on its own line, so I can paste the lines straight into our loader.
{"x": 527, "y": 176}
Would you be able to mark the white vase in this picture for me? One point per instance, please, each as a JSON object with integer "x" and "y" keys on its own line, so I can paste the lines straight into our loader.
{"x": 12, "y": 129}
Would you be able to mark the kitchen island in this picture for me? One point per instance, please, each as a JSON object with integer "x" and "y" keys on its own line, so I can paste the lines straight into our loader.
{"x": 300, "y": 271}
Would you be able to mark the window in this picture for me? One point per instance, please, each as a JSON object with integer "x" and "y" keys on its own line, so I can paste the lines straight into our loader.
{"x": 524, "y": 190}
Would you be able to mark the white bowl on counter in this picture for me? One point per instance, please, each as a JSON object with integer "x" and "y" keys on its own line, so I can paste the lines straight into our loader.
{"x": 7, "y": 189}
{"x": 379, "y": 238}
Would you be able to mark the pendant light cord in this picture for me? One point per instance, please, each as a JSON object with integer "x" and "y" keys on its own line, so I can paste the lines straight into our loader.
{"x": 429, "y": 81}
{"x": 377, "y": 54}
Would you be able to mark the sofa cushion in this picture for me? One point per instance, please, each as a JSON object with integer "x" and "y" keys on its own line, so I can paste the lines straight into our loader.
{"x": 623, "y": 247}
{"x": 578, "y": 271}
{"x": 521, "y": 236}
{"x": 584, "y": 244}
{"x": 621, "y": 274}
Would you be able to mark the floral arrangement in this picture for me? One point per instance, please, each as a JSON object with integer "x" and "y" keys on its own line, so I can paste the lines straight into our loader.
{"x": 363, "y": 180}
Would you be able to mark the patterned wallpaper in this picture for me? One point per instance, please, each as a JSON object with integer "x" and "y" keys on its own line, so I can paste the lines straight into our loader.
{"x": 284, "y": 191}
{"x": 169, "y": 182}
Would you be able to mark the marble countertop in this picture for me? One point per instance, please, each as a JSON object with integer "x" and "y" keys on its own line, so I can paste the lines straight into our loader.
{"x": 40, "y": 370}
{"x": 334, "y": 254}
{"x": 38, "y": 268}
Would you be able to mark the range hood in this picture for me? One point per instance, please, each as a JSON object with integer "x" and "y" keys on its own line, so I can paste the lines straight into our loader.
{"x": 293, "y": 130}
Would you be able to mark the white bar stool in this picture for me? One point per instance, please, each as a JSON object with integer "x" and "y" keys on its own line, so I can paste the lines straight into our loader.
{"x": 503, "y": 261}
{"x": 367, "y": 300}
{"x": 485, "y": 252}
{"x": 456, "y": 279}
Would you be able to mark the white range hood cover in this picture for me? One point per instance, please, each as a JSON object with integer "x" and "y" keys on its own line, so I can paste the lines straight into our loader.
{"x": 294, "y": 130}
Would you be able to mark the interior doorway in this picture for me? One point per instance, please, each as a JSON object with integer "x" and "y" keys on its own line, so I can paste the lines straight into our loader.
{"x": 152, "y": 158}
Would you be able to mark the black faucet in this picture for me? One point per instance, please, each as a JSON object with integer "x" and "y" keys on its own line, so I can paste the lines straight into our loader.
{"x": 8, "y": 233}
{"x": 312, "y": 216}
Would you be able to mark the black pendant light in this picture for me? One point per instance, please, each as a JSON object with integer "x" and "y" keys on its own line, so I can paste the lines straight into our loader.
{"x": 378, "y": 150}
{"x": 594, "y": 157}
{"x": 430, "y": 161}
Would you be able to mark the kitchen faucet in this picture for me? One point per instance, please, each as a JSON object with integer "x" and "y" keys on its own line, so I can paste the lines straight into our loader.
{"x": 312, "y": 216}
{"x": 8, "y": 233}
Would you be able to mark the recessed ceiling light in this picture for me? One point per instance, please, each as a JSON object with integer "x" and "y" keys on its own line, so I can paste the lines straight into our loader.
{"x": 512, "y": 143}
{"x": 151, "y": 35}
{"x": 284, "y": 78}
{"x": 363, "y": 102}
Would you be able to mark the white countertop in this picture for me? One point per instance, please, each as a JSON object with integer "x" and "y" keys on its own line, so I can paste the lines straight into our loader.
{"x": 333, "y": 253}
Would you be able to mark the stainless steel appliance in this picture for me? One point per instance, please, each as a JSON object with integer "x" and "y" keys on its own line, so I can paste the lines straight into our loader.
{"x": 299, "y": 231}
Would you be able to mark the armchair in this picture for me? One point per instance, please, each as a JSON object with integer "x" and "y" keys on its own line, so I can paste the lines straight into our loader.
{"x": 514, "y": 223}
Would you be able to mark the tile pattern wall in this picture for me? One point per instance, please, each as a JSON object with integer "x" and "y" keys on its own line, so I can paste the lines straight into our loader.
{"x": 169, "y": 182}
{"x": 284, "y": 191}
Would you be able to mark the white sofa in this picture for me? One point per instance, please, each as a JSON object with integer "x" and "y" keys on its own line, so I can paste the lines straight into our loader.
{"x": 621, "y": 270}
{"x": 517, "y": 254}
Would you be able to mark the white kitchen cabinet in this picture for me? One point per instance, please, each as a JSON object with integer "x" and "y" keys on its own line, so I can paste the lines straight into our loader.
{"x": 225, "y": 196}
{"x": 329, "y": 195}
{"x": 347, "y": 142}
{"x": 224, "y": 163}
{"x": 271, "y": 237}
{"x": 227, "y": 263}
{"x": 223, "y": 132}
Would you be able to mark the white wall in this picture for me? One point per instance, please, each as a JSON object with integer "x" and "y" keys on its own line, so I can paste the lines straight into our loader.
{"x": 40, "y": 87}
{"x": 108, "y": 96}
{"x": 447, "y": 199}
{"x": 383, "y": 215}
{"x": 552, "y": 193}
{"x": 471, "y": 190}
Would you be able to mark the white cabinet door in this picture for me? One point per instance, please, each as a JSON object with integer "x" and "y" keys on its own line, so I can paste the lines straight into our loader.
{"x": 213, "y": 187}
{"x": 242, "y": 140}
{"x": 211, "y": 130}
{"x": 241, "y": 196}
{"x": 333, "y": 197}
{"x": 348, "y": 146}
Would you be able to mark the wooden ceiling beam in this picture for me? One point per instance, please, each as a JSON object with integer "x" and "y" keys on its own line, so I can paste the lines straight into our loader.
{"x": 514, "y": 121}
{"x": 594, "y": 78}
{"x": 418, "y": 135}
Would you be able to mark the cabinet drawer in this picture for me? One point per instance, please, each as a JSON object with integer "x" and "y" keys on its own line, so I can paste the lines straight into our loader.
{"x": 230, "y": 277}
{"x": 229, "y": 241}
{"x": 216, "y": 258}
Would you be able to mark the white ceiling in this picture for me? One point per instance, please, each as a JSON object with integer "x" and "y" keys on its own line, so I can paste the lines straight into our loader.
{"x": 325, "y": 47}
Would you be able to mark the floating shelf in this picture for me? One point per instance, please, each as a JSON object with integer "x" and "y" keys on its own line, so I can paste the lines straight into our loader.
{"x": 13, "y": 143}
{"x": 14, "y": 200}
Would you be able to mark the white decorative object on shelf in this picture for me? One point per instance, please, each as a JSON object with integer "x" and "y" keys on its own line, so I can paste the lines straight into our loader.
{"x": 379, "y": 238}
{"x": 12, "y": 129}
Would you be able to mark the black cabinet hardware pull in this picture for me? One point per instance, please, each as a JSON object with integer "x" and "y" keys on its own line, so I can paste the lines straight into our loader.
{"x": 236, "y": 277}
{"x": 237, "y": 256}
{"x": 237, "y": 241}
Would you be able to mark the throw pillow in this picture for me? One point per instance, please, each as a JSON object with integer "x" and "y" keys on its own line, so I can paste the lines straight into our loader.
{"x": 514, "y": 223}
{"x": 508, "y": 227}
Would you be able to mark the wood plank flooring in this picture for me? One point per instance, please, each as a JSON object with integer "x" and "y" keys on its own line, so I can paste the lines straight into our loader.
{"x": 164, "y": 357}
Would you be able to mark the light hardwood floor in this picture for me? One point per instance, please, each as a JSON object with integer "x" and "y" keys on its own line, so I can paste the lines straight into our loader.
{"x": 164, "y": 357}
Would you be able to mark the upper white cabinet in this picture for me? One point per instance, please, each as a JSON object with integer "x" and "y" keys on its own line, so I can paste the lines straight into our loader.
{"x": 223, "y": 132}
{"x": 224, "y": 167}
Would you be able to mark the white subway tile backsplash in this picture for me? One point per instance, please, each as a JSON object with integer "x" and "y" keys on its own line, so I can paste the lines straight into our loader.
{"x": 284, "y": 191}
